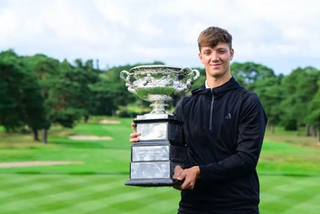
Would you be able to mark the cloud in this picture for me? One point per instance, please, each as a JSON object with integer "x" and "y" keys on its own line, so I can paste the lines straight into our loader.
{"x": 283, "y": 34}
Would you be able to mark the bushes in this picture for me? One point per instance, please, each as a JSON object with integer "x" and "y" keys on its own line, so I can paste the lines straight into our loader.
{"x": 130, "y": 113}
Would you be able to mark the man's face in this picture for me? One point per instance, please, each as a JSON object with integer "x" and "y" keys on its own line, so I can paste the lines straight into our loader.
{"x": 216, "y": 60}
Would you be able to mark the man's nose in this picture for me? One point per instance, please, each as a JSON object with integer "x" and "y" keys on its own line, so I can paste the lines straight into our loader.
{"x": 214, "y": 57}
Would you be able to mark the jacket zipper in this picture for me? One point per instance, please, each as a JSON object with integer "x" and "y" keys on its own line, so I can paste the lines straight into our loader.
{"x": 211, "y": 108}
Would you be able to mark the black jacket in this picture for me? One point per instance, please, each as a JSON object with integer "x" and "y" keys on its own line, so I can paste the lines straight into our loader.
{"x": 224, "y": 129}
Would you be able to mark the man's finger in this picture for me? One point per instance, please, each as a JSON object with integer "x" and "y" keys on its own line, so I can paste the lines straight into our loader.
{"x": 176, "y": 175}
{"x": 177, "y": 172}
{"x": 134, "y": 127}
{"x": 188, "y": 184}
{"x": 185, "y": 184}
{"x": 177, "y": 187}
{"x": 134, "y": 135}
{"x": 182, "y": 175}
{"x": 178, "y": 167}
{"x": 133, "y": 140}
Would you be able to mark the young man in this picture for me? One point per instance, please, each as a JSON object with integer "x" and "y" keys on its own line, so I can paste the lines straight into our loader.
{"x": 224, "y": 126}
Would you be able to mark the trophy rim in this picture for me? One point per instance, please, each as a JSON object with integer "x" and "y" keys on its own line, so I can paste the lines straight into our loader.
{"x": 175, "y": 68}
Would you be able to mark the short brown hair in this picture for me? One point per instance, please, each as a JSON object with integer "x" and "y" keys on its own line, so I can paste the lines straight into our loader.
{"x": 211, "y": 37}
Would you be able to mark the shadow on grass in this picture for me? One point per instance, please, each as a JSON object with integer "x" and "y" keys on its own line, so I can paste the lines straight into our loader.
{"x": 288, "y": 174}
{"x": 66, "y": 173}
{"x": 69, "y": 145}
{"x": 127, "y": 173}
{"x": 84, "y": 145}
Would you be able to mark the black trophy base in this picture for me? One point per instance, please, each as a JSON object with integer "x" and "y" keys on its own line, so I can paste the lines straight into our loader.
{"x": 156, "y": 182}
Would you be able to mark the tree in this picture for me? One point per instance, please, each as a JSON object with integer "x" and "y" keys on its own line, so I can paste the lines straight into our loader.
{"x": 46, "y": 69}
{"x": 271, "y": 95}
{"x": 21, "y": 102}
{"x": 314, "y": 110}
{"x": 12, "y": 115}
{"x": 299, "y": 87}
{"x": 248, "y": 73}
{"x": 34, "y": 104}
{"x": 65, "y": 88}
{"x": 65, "y": 96}
{"x": 110, "y": 91}
{"x": 87, "y": 75}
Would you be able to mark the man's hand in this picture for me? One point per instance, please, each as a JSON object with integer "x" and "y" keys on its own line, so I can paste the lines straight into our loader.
{"x": 177, "y": 171}
{"x": 189, "y": 176}
{"x": 134, "y": 137}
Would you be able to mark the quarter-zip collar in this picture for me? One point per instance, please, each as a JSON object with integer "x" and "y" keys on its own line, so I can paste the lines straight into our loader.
{"x": 214, "y": 94}
{"x": 211, "y": 109}
{"x": 232, "y": 84}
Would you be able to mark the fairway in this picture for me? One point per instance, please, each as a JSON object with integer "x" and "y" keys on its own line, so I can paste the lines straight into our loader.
{"x": 59, "y": 194}
{"x": 289, "y": 176}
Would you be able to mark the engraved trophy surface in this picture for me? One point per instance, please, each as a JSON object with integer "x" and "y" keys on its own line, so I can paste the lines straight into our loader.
{"x": 160, "y": 147}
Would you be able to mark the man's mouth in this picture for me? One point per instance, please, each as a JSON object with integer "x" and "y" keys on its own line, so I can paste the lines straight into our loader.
{"x": 215, "y": 65}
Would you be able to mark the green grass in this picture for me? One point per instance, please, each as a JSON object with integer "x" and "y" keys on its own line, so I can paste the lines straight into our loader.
{"x": 59, "y": 194}
{"x": 288, "y": 169}
{"x": 98, "y": 156}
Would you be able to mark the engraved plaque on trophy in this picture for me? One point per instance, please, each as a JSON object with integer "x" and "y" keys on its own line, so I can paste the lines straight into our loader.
{"x": 160, "y": 147}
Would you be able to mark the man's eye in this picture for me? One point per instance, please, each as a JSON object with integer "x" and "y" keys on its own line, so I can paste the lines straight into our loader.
{"x": 222, "y": 52}
{"x": 207, "y": 53}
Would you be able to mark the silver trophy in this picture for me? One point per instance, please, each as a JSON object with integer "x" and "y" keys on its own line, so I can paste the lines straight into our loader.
{"x": 160, "y": 147}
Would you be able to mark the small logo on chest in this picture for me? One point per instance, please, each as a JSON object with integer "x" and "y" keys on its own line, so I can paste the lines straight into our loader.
{"x": 228, "y": 117}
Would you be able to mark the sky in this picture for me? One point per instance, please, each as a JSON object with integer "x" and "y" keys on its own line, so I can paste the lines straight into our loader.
{"x": 281, "y": 34}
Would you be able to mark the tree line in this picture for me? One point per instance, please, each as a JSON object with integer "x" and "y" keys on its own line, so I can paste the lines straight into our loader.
{"x": 39, "y": 91}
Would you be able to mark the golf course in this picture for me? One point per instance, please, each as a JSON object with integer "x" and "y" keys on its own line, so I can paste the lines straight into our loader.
{"x": 83, "y": 170}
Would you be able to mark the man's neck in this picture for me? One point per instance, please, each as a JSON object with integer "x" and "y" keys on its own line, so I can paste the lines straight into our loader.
{"x": 212, "y": 82}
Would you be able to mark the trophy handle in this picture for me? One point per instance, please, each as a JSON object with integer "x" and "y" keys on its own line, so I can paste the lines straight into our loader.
{"x": 186, "y": 70}
{"x": 129, "y": 83}
{"x": 197, "y": 75}
{"x": 122, "y": 75}
{"x": 193, "y": 74}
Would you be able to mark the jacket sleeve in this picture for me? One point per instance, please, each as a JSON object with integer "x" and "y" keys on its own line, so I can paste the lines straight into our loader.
{"x": 251, "y": 129}
{"x": 178, "y": 110}
{"x": 178, "y": 113}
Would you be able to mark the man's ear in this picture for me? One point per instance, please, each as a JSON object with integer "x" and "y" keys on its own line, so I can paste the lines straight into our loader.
{"x": 200, "y": 57}
{"x": 231, "y": 54}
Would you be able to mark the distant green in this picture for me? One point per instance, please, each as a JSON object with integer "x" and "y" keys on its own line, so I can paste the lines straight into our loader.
{"x": 289, "y": 175}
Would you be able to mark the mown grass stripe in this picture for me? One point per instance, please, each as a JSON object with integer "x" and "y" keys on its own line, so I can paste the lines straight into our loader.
{"x": 80, "y": 202}
{"x": 288, "y": 186}
{"x": 93, "y": 205}
{"x": 84, "y": 190}
{"x": 37, "y": 185}
{"x": 119, "y": 207}
{"x": 311, "y": 206}
{"x": 13, "y": 187}
{"x": 158, "y": 203}
{"x": 63, "y": 200}
{"x": 286, "y": 199}
{"x": 268, "y": 182}
{"x": 30, "y": 195}
{"x": 9, "y": 180}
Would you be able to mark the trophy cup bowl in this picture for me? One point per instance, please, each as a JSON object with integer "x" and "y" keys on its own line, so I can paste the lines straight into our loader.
{"x": 159, "y": 83}
{"x": 161, "y": 146}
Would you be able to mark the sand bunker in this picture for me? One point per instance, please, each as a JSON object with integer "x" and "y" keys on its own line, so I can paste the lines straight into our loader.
{"x": 105, "y": 121}
{"x": 37, "y": 163}
{"x": 89, "y": 137}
